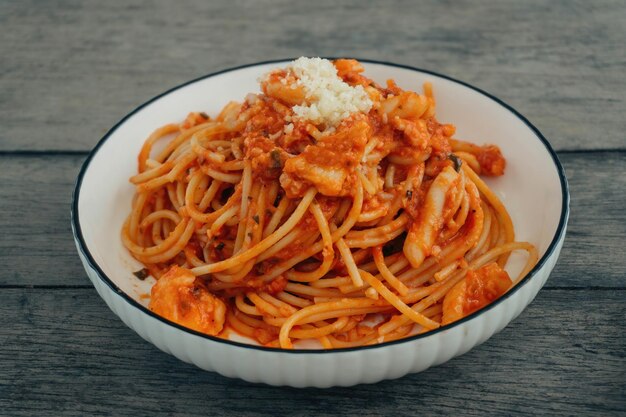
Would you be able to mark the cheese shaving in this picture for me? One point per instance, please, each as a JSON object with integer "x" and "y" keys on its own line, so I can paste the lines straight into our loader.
{"x": 329, "y": 100}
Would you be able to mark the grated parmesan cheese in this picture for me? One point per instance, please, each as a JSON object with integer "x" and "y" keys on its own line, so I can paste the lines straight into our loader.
{"x": 330, "y": 100}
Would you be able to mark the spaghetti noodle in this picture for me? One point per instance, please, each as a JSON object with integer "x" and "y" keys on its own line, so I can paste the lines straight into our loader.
{"x": 327, "y": 207}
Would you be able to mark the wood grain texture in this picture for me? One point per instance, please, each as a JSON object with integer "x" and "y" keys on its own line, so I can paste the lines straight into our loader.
{"x": 70, "y": 70}
{"x": 37, "y": 248}
{"x": 64, "y": 353}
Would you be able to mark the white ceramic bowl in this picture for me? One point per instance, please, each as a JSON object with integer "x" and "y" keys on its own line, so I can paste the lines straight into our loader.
{"x": 534, "y": 189}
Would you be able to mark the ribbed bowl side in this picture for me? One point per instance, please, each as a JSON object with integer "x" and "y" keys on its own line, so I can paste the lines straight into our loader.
{"x": 323, "y": 370}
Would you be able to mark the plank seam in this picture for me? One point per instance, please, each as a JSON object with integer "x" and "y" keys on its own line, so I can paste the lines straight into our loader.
{"x": 587, "y": 151}
{"x": 90, "y": 287}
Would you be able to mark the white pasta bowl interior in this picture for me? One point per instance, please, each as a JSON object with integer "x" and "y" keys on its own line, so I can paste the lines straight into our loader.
{"x": 533, "y": 189}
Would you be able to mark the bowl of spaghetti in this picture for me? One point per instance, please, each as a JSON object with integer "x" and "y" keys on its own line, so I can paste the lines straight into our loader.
{"x": 320, "y": 222}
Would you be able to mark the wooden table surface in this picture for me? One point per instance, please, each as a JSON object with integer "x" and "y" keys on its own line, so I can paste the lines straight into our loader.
{"x": 69, "y": 70}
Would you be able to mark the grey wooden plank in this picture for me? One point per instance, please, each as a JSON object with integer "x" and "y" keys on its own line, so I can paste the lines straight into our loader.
{"x": 36, "y": 242}
{"x": 70, "y": 70}
{"x": 64, "y": 354}
{"x": 36, "y": 246}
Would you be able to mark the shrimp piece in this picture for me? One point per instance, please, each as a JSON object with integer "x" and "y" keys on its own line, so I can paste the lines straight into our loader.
{"x": 478, "y": 289}
{"x": 415, "y": 132}
{"x": 424, "y": 230}
{"x": 346, "y": 67}
{"x": 349, "y": 70}
{"x": 328, "y": 164}
{"x": 179, "y": 298}
{"x": 282, "y": 85}
{"x": 407, "y": 105}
